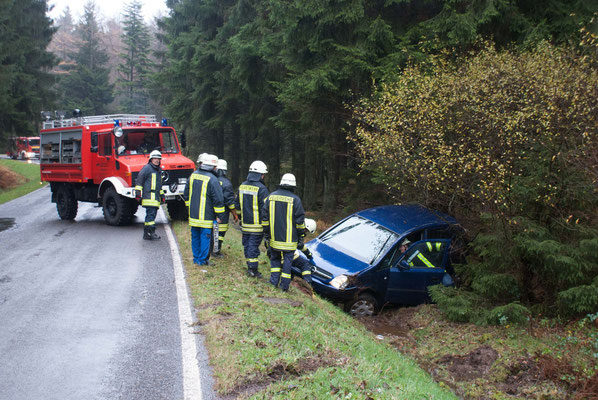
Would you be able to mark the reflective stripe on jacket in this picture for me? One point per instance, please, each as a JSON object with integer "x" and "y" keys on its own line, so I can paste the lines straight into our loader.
{"x": 418, "y": 256}
{"x": 229, "y": 200}
{"x": 250, "y": 200}
{"x": 149, "y": 182}
{"x": 284, "y": 217}
{"x": 203, "y": 196}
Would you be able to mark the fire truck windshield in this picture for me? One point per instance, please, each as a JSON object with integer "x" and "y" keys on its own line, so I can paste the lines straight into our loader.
{"x": 144, "y": 141}
{"x": 34, "y": 142}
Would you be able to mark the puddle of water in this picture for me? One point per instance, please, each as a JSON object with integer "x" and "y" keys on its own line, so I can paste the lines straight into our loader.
{"x": 381, "y": 328}
{"x": 6, "y": 223}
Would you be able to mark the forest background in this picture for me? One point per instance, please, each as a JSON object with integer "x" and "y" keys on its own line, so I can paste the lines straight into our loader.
{"x": 484, "y": 109}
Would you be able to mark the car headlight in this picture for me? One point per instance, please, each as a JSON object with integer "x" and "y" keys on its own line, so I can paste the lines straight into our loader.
{"x": 340, "y": 282}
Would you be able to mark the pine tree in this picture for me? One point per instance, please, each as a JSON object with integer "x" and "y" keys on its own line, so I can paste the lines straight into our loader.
{"x": 88, "y": 87}
{"x": 25, "y": 32}
{"x": 136, "y": 66}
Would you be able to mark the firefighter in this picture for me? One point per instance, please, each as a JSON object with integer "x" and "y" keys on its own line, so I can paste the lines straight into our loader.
{"x": 284, "y": 222}
{"x": 204, "y": 199}
{"x": 229, "y": 203}
{"x": 148, "y": 189}
{"x": 249, "y": 201}
{"x": 418, "y": 259}
{"x": 303, "y": 260}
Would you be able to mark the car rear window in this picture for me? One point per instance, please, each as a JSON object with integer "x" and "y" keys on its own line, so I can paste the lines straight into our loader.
{"x": 360, "y": 238}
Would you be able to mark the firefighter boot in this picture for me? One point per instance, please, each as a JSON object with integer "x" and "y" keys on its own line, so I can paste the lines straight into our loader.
{"x": 153, "y": 234}
{"x": 147, "y": 233}
{"x": 217, "y": 252}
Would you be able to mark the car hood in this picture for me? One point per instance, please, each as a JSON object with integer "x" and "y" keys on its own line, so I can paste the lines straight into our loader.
{"x": 333, "y": 261}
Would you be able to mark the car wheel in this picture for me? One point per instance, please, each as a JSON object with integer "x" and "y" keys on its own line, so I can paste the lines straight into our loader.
{"x": 363, "y": 306}
{"x": 66, "y": 203}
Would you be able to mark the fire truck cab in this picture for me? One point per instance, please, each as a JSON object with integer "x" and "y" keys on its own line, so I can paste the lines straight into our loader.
{"x": 97, "y": 159}
{"x": 24, "y": 148}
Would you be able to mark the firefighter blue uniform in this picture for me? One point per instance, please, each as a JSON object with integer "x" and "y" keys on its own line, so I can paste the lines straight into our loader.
{"x": 148, "y": 188}
{"x": 284, "y": 222}
{"x": 249, "y": 201}
{"x": 229, "y": 203}
{"x": 204, "y": 198}
{"x": 418, "y": 259}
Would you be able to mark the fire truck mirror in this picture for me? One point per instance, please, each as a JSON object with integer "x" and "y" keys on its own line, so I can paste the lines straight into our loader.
{"x": 94, "y": 142}
{"x": 183, "y": 139}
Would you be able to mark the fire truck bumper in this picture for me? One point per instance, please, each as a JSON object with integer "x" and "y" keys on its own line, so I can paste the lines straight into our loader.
{"x": 173, "y": 191}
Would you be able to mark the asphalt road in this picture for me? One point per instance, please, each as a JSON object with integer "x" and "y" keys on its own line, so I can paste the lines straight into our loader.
{"x": 87, "y": 310}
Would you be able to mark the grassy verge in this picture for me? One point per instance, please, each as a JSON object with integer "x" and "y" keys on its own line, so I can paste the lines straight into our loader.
{"x": 267, "y": 344}
{"x": 26, "y": 180}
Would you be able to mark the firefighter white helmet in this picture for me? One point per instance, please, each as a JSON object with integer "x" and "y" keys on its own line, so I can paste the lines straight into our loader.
{"x": 201, "y": 157}
{"x": 288, "y": 180}
{"x": 155, "y": 154}
{"x": 259, "y": 167}
{"x": 210, "y": 160}
{"x": 310, "y": 225}
{"x": 222, "y": 165}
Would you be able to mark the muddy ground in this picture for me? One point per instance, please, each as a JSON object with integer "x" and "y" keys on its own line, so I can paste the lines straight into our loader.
{"x": 501, "y": 373}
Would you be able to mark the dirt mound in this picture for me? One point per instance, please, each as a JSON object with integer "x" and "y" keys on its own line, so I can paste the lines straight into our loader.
{"x": 279, "y": 371}
{"x": 9, "y": 179}
{"x": 472, "y": 365}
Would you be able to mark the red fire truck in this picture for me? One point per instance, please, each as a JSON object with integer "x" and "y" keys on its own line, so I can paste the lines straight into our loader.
{"x": 24, "y": 148}
{"x": 97, "y": 159}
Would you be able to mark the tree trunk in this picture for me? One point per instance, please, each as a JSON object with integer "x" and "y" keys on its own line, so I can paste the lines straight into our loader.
{"x": 310, "y": 170}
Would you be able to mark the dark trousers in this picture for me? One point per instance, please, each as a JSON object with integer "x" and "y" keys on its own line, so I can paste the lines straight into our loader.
{"x": 280, "y": 273}
{"x": 251, "y": 248}
{"x": 201, "y": 240}
{"x": 150, "y": 216}
{"x": 304, "y": 266}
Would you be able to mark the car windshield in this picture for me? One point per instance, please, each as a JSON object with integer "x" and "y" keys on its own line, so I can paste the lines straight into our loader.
{"x": 144, "y": 141}
{"x": 360, "y": 238}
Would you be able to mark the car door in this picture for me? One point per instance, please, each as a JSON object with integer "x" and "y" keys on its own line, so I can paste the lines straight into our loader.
{"x": 422, "y": 265}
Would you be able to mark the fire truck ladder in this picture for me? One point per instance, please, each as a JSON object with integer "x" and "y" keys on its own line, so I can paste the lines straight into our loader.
{"x": 99, "y": 119}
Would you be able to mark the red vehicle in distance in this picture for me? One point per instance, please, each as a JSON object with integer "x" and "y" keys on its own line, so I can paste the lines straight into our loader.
{"x": 24, "y": 148}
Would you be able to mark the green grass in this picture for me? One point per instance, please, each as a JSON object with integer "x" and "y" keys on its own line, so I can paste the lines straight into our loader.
{"x": 266, "y": 344}
{"x": 29, "y": 182}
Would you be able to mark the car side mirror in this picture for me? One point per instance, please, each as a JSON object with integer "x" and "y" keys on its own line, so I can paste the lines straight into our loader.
{"x": 183, "y": 140}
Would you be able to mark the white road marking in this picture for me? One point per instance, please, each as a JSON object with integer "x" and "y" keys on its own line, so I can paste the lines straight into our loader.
{"x": 191, "y": 377}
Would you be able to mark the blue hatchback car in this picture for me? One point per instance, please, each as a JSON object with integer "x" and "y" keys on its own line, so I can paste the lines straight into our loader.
{"x": 388, "y": 254}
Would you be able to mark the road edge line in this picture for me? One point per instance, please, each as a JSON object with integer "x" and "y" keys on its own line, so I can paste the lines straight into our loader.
{"x": 191, "y": 375}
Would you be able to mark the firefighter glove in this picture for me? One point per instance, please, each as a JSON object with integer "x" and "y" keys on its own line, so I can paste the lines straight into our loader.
{"x": 163, "y": 198}
{"x": 307, "y": 253}
{"x": 300, "y": 242}
{"x": 138, "y": 195}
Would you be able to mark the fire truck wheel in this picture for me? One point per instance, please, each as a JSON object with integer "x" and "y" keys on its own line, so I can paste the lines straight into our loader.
{"x": 177, "y": 210}
{"x": 66, "y": 203}
{"x": 117, "y": 209}
{"x": 134, "y": 206}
